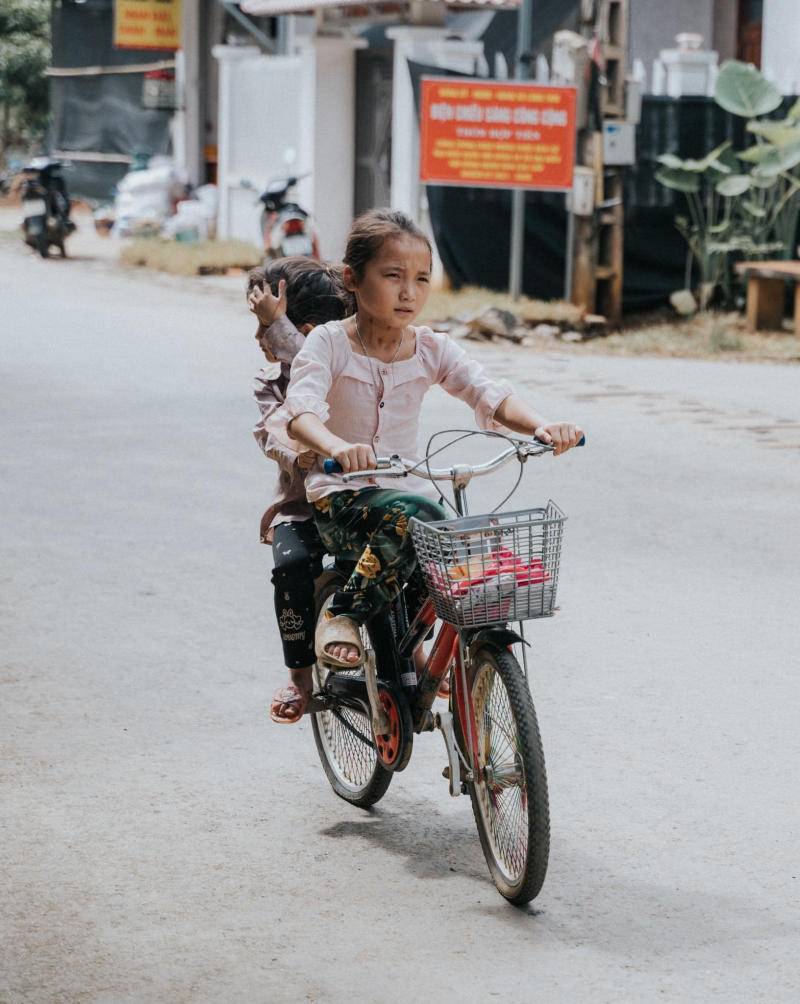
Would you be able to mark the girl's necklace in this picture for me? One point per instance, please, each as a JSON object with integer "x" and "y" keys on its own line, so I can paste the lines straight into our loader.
{"x": 369, "y": 357}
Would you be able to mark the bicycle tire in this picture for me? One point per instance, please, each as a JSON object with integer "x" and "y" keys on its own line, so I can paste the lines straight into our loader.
{"x": 344, "y": 743}
{"x": 514, "y": 835}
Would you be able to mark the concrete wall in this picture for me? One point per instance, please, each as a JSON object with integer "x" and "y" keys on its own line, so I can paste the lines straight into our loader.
{"x": 282, "y": 115}
{"x": 725, "y": 24}
{"x": 780, "y": 47}
{"x": 264, "y": 110}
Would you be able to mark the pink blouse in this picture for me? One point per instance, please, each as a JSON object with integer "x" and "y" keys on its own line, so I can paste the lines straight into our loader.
{"x": 364, "y": 400}
{"x": 289, "y": 502}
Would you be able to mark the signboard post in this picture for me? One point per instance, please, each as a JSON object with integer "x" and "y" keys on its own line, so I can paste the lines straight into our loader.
{"x": 497, "y": 134}
{"x": 147, "y": 24}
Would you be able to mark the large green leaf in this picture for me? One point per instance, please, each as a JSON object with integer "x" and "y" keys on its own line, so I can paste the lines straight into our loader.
{"x": 733, "y": 185}
{"x": 755, "y": 210}
{"x": 711, "y": 160}
{"x": 720, "y": 228}
{"x": 760, "y": 182}
{"x": 742, "y": 90}
{"x": 782, "y": 159}
{"x": 746, "y": 244}
{"x": 670, "y": 160}
{"x": 758, "y": 153}
{"x": 678, "y": 180}
{"x": 778, "y": 133}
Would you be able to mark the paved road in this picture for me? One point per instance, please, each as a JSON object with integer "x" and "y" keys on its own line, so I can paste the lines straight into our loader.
{"x": 162, "y": 842}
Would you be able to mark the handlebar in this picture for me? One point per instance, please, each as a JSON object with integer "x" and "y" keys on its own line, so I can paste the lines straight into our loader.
{"x": 399, "y": 467}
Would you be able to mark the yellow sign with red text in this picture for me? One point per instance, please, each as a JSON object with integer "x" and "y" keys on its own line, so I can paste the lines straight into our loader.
{"x": 496, "y": 134}
{"x": 147, "y": 24}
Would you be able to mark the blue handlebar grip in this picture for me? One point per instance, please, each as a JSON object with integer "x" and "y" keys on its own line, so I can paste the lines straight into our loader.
{"x": 582, "y": 441}
{"x": 331, "y": 466}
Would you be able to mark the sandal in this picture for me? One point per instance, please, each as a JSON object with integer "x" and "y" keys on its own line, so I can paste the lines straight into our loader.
{"x": 293, "y": 700}
{"x": 339, "y": 630}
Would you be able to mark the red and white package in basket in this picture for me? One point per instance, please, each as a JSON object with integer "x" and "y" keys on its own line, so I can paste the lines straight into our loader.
{"x": 489, "y": 578}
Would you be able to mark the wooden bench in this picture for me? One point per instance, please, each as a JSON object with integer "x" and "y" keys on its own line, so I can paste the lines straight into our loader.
{"x": 766, "y": 292}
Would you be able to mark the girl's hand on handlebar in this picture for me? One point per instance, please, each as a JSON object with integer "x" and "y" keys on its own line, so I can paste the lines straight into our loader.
{"x": 354, "y": 457}
{"x": 265, "y": 306}
{"x": 562, "y": 436}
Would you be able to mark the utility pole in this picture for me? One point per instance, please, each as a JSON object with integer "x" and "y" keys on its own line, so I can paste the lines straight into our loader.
{"x": 521, "y": 72}
{"x": 193, "y": 46}
{"x": 598, "y": 268}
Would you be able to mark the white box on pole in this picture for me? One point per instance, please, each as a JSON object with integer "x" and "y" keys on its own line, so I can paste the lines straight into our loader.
{"x": 619, "y": 143}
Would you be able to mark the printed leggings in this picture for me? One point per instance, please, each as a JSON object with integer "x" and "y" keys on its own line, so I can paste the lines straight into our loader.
{"x": 370, "y": 527}
{"x": 297, "y": 553}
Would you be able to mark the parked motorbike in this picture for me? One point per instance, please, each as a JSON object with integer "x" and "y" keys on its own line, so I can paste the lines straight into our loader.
{"x": 285, "y": 226}
{"x": 45, "y": 206}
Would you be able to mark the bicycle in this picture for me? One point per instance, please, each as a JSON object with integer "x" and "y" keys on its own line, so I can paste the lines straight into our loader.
{"x": 481, "y": 573}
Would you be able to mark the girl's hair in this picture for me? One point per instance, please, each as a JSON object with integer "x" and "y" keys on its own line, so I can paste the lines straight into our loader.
{"x": 369, "y": 232}
{"x": 315, "y": 292}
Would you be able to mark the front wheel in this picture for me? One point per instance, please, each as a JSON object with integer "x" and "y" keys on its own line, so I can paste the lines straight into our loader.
{"x": 509, "y": 789}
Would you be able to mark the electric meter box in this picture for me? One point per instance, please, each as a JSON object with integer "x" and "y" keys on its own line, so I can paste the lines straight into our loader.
{"x": 580, "y": 200}
{"x": 619, "y": 143}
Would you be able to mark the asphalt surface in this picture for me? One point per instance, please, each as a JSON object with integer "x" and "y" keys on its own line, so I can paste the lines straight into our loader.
{"x": 162, "y": 841}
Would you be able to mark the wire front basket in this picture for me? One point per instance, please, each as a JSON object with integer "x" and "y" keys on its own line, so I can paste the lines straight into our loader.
{"x": 491, "y": 569}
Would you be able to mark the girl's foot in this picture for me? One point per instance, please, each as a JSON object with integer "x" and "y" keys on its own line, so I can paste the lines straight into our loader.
{"x": 289, "y": 705}
{"x": 344, "y": 653}
{"x": 338, "y": 642}
{"x": 290, "y": 702}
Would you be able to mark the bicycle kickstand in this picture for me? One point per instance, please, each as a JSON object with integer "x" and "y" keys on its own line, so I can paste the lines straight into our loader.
{"x": 443, "y": 720}
{"x": 380, "y": 722}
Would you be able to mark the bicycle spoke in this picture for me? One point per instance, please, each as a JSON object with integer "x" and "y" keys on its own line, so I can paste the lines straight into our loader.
{"x": 502, "y": 790}
{"x": 347, "y": 737}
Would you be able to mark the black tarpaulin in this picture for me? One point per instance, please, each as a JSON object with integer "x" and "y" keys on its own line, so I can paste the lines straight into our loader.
{"x": 100, "y": 113}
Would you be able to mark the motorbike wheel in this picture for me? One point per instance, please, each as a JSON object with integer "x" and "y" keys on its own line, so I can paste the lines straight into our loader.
{"x": 265, "y": 223}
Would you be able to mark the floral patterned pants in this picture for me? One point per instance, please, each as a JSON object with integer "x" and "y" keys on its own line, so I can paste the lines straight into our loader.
{"x": 370, "y": 527}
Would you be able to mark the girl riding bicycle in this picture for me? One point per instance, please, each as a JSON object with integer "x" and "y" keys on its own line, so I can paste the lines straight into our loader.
{"x": 356, "y": 388}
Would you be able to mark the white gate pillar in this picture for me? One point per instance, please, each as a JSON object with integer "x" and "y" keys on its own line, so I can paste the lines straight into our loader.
{"x": 331, "y": 136}
{"x": 228, "y": 57}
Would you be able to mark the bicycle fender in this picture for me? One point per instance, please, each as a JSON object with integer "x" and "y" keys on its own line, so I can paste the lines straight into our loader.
{"x": 495, "y": 637}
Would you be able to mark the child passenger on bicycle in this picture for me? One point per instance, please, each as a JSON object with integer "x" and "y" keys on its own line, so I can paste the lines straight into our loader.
{"x": 289, "y": 297}
{"x": 355, "y": 391}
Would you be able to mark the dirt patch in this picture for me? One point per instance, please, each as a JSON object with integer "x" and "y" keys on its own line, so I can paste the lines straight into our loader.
{"x": 204, "y": 258}
{"x": 472, "y": 300}
{"x": 706, "y": 335}
{"x": 709, "y": 335}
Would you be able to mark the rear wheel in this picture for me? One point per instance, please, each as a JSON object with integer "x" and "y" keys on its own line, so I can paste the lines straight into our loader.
{"x": 344, "y": 739}
{"x": 509, "y": 792}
